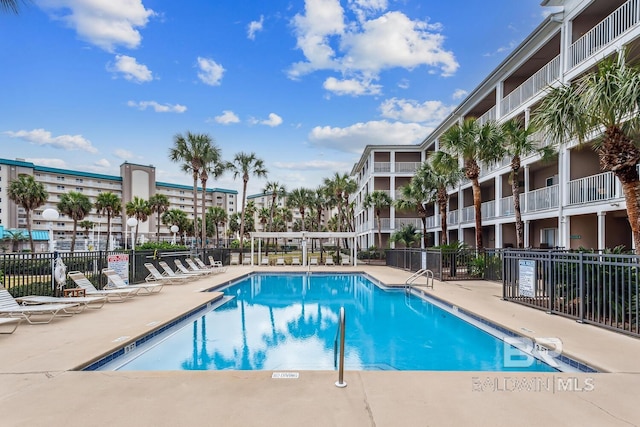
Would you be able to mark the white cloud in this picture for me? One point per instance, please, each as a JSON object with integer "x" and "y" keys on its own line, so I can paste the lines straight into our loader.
{"x": 104, "y": 23}
{"x": 273, "y": 120}
{"x": 44, "y": 138}
{"x": 158, "y": 108}
{"x": 459, "y": 94}
{"x": 404, "y": 84}
{"x": 409, "y": 110}
{"x": 123, "y": 154}
{"x": 131, "y": 70}
{"x": 210, "y": 72}
{"x": 351, "y": 87}
{"x": 227, "y": 117}
{"x": 254, "y": 27}
{"x": 368, "y": 46}
{"x": 49, "y": 162}
{"x": 354, "y": 138}
{"x": 102, "y": 163}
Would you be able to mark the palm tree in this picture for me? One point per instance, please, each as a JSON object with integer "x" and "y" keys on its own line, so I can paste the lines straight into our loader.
{"x": 413, "y": 197}
{"x": 192, "y": 151}
{"x": 108, "y": 204}
{"x": 14, "y": 237}
{"x": 474, "y": 144}
{"x": 378, "y": 200}
{"x": 442, "y": 172}
{"x": 604, "y": 99}
{"x": 300, "y": 198}
{"x": 518, "y": 143}
{"x": 217, "y": 216}
{"x": 245, "y": 165}
{"x": 212, "y": 167}
{"x": 158, "y": 204}
{"x": 139, "y": 209}
{"x": 30, "y": 195}
{"x": 10, "y": 5}
{"x": 86, "y": 225}
{"x": 276, "y": 190}
{"x": 408, "y": 235}
{"x": 175, "y": 217}
{"x": 76, "y": 206}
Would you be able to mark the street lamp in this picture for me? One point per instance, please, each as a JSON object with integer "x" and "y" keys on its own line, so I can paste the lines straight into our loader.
{"x": 51, "y": 215}
{"x": 131, "y": 222}
{"x": 174, "y": 230}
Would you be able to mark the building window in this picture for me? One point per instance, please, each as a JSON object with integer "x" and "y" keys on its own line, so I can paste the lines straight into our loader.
{"x": 60, "y": 187}
{"x": 60, "y": 178}
{"x": 79, "y": 189}
{"x": 79, "y": 180}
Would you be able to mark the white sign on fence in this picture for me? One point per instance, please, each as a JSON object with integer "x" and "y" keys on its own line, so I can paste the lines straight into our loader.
{"x": 120, "y": 264}
{"x": 526, "y": 277}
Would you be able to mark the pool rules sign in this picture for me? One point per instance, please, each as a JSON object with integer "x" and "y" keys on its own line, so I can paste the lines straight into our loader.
{"x": 120, "y": 264}
{"x": 526, "y": 277}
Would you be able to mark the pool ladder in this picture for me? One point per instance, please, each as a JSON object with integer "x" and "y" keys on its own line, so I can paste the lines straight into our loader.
{"x": 340, "y": 334}
{"x": 424, "y": 272}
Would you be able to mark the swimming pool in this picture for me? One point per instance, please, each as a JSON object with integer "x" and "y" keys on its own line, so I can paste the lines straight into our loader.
{"x": 289, "y": 322}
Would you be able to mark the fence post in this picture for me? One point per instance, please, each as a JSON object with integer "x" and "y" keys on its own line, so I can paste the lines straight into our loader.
{"x": 551, "y": 283}
{"x": 581, "y": 289}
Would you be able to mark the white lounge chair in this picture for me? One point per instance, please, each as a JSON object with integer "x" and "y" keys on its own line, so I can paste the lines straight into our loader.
{"x": 280, "y": 261}
{"x": 113, "y": 295}
{"x": 313, "y": 261}
{"x": 217, "y": 264}
{"x": 94, "y": 302}
{"x": 117, "y": 282}
{"x": 155, "y": 276}
{"x": 202, "y": 266}
{"x": 329, "y": 261}
{"x": 345, "y": 260}
{"x": 295, "y": 261}
{"x": 168, "y": 272}
{"x": 246, "y": 260}
{"x": 12, "y": 324}
{"x": 264, "y": 260}
{"x": 10, "y": 307}
{"x": 235, "y": 259}
{"x": 194, "y": 267}
{"x": 182, "y": 270}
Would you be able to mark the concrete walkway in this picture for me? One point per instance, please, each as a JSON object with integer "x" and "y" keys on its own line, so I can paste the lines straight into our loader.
{"x": 38, "y": 384}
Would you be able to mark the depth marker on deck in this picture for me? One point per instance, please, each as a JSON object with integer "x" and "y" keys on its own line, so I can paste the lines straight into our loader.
{"x": 286, "y": 375}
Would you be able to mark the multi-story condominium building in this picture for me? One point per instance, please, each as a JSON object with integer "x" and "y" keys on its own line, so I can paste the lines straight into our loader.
{"x": 568, "y": 202}
{"x": 134, "y": 181}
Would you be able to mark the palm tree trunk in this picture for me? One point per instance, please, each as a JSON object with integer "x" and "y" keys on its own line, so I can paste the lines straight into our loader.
{"x": 202, "y": 209}
{"x": 195, "y": 205}
{"x": 73, "y": 236}
{"x": 477, "y": 207}
{"x": 379, "y": 232}
{"x": 425, "y": 242}
{"x": 442, "y": 203}
{"x": 31, "y": 244}
{"x": 515, "y": 189}
{"x": 158, "y": 229}
{"x": 631, "y": 191}
{"x": 244, "y": 192}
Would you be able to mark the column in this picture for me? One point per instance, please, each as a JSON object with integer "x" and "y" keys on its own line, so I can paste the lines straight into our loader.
{"x": 601, "y": 229}
{"x": 527, "y": 242}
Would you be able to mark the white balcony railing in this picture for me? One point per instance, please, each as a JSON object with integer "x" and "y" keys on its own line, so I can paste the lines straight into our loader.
{"x": 488, "y": 116}
{"x": 452, "y": 217}
{"x": 401, "y": 222}
{"x": 467, "y": 214}
{"x": 614, "y": 25}
{"x": 381, "y": 167}
{"x": 433, "y": 221}
{"x": 506, "y": 206}
{"x": 532, "y": 86}
{"x": 488, "y": 209}
{"x": 594, "y": 188}
{"x": 540, "y": 199}
{"x": 407, "y": 167}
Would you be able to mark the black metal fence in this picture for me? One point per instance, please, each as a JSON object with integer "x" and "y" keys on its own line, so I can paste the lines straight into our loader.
{"x": 32, "y": 274}
{"x": 597, "y": 288}
{"x": 450, "y": 264}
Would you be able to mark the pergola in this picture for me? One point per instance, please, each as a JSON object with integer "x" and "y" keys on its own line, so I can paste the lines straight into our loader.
{"x": 304, "y": 236}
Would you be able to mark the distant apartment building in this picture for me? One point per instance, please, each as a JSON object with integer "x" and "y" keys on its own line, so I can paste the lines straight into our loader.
{"x": 134, "y": 181}
{"x": 569, "y": 202}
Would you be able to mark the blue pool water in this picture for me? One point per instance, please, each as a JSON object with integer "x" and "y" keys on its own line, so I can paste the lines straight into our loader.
{"x": 289, "y": 321}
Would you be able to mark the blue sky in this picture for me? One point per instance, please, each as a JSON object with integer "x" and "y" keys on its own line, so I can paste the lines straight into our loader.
{"x": 89, "y": 84}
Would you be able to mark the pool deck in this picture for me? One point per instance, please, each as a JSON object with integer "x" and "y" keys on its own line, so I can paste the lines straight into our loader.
{"x": 38, "y": 384}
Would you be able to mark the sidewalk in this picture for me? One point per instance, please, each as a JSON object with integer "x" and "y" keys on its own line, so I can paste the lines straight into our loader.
{"x": 39, "y": 387}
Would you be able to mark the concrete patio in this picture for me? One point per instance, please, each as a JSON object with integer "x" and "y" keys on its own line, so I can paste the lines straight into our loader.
{"x": 39, "y": 384}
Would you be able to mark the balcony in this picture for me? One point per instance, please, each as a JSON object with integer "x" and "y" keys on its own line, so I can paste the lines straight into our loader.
{"x": 540, "y": 199}
{"x": 382, "y": 167}
{"x": 531, "y": 87}
{"x": 488, "y": 210}
{"x": 401, "y": 222}
{"x": 467, "y": 214}
{"x": 407, "y": 167}
{"x": 452, "y": 217}
{"x": 506, "y": 206}
{"x": 594, "y": 188}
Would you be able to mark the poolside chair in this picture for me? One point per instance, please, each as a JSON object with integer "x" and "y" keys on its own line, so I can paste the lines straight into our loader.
{"x": 217, "y": 264}
{"x": 10, "y": 307}
{"x": 202, "y": 266}
{"x": 329, "y": 261}
{"x": 194, "y": 267}
{"x": 280, "y": 261}
{"x": 185, "y": 271}
{"x": 345, "y": 260}
{"x": 313, "y": 261}
{"x": 168, "y": 272}
{"x": 264, "y": 261}
{"x": 12, "y": 323}
{"x": 155, "y": 276}
{"x": 246, "y": 260}
{"x": 94, "y": 302}
{"x": 117, "y": 282}
{"x": 295, "y": 261}
{"x": 113, "y": 295}
{"x": 235, "y": 259}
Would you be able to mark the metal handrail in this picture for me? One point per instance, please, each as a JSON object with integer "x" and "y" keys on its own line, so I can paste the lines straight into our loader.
{"x": 341, "y": 326}
{"x": 422, "y": 272}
